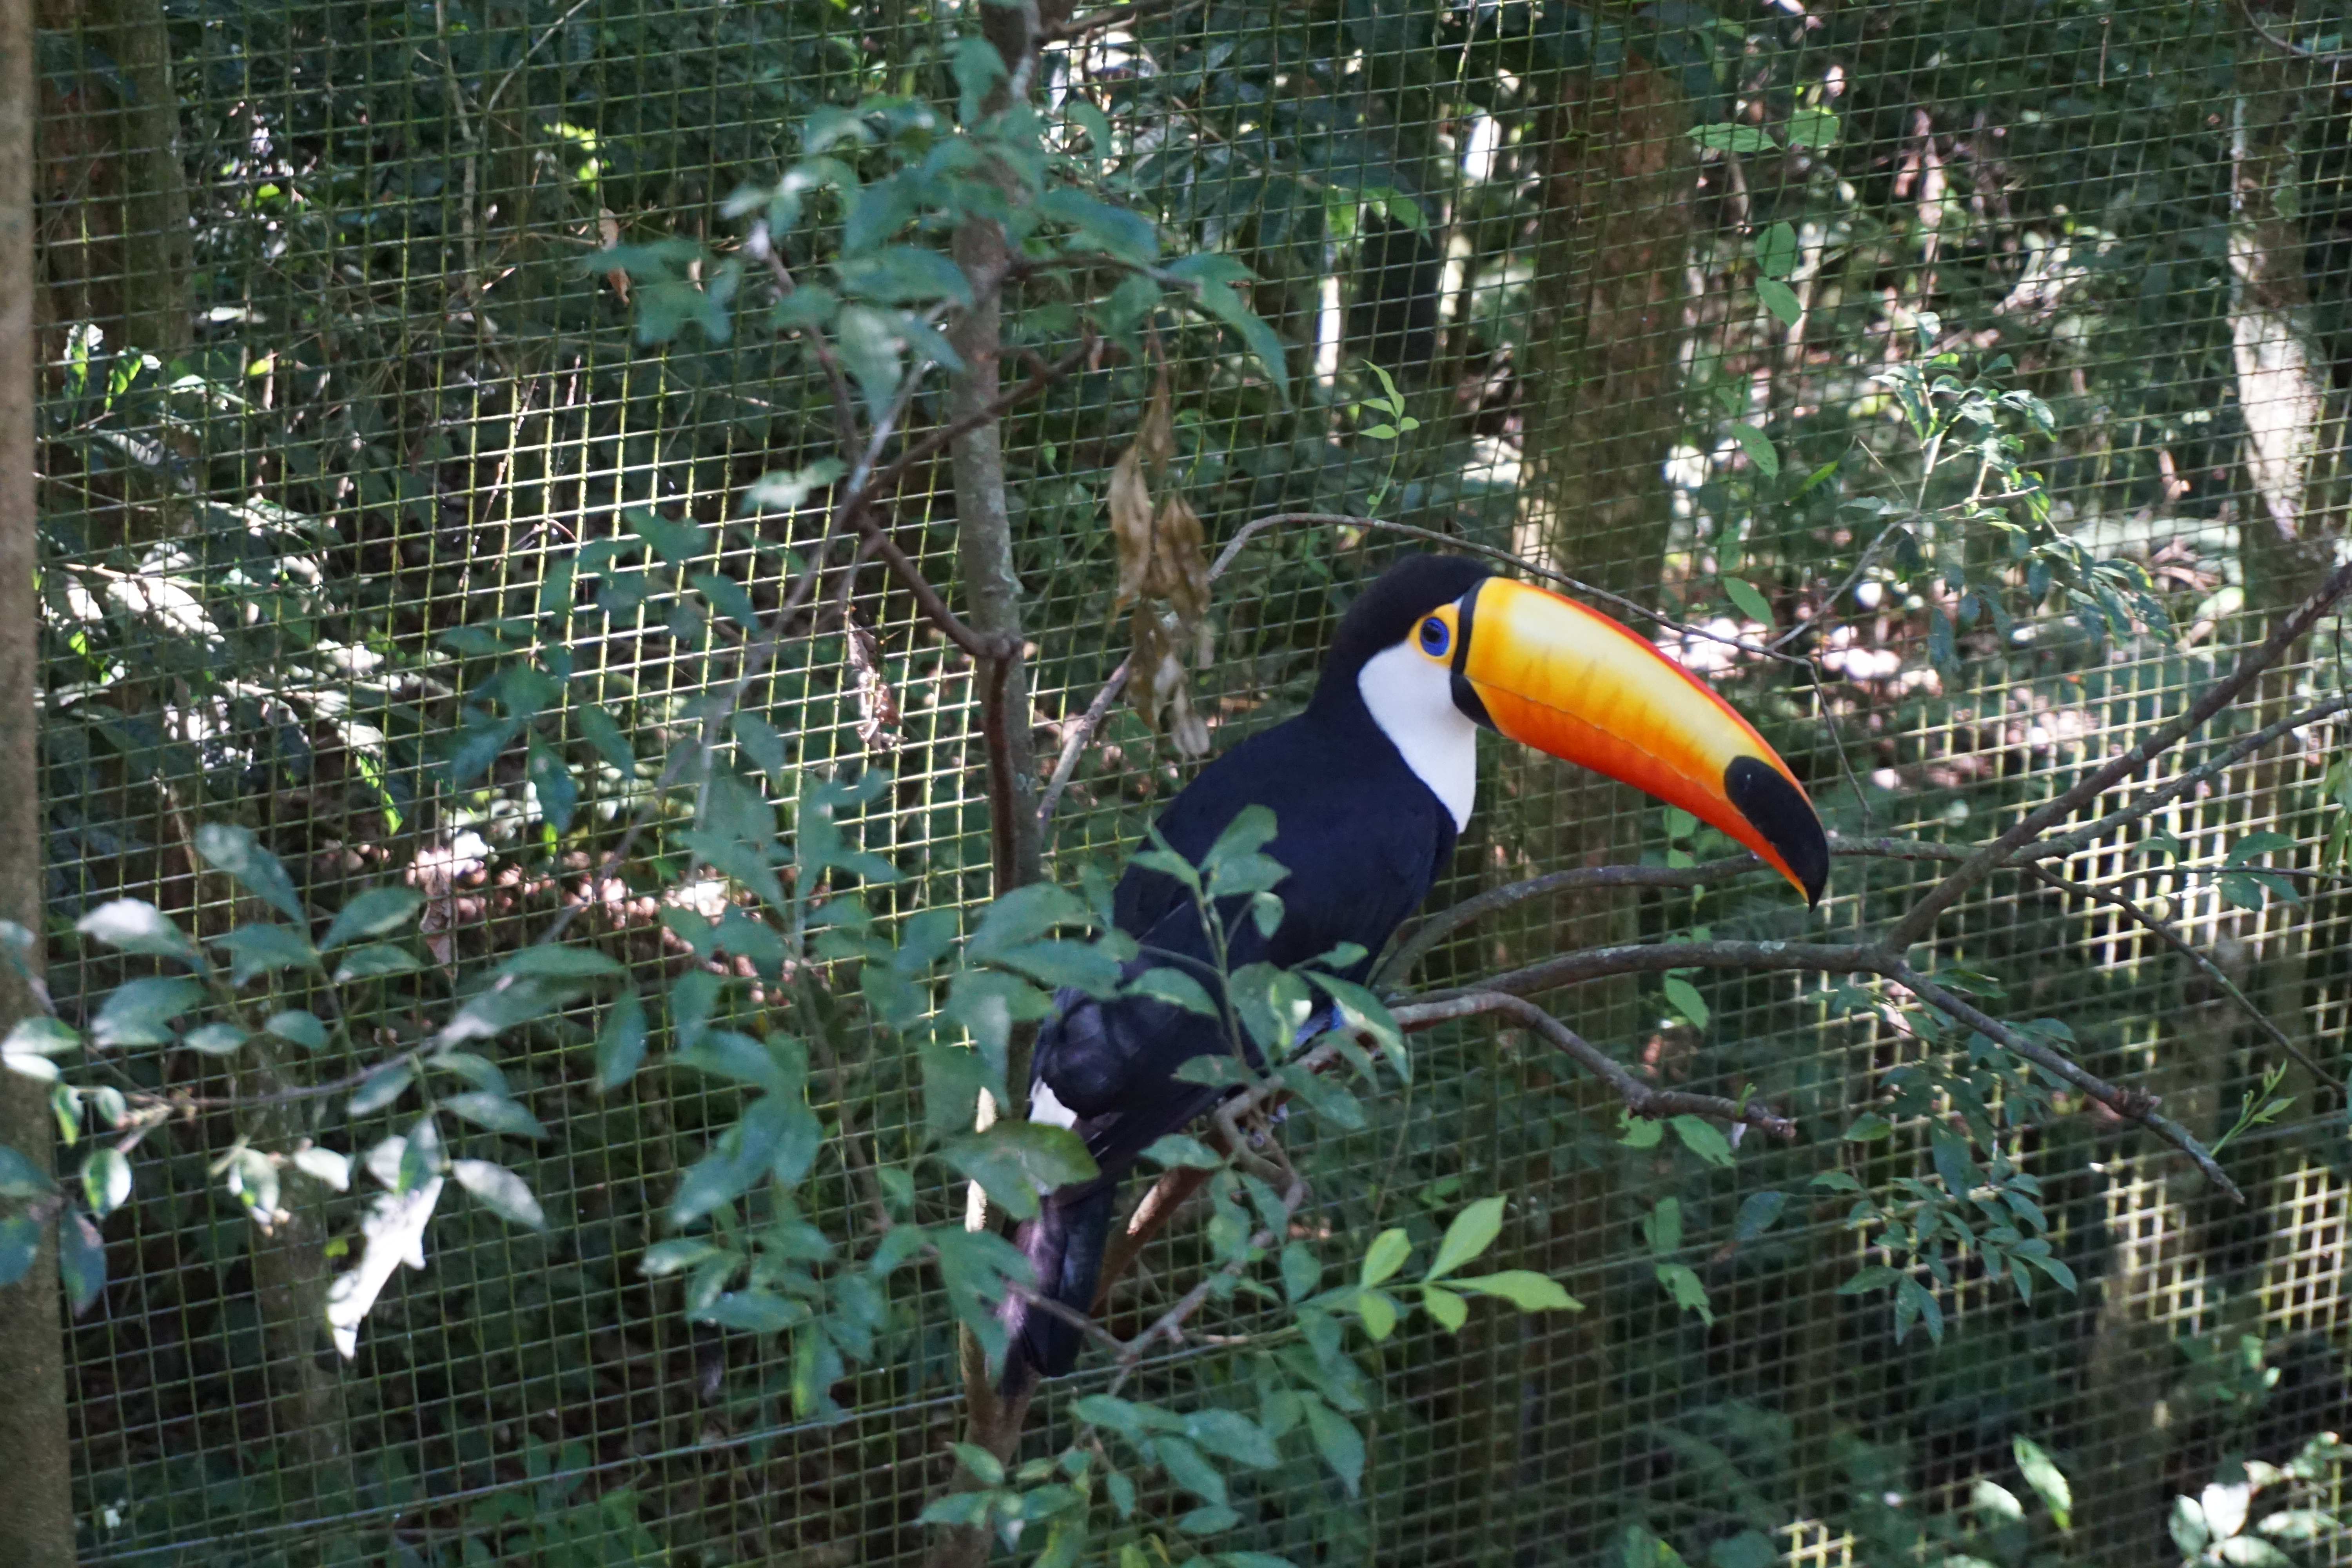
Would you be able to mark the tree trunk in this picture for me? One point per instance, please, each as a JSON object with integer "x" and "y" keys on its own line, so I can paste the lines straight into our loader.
{"x": 1604, "y": 411}
{"x": 992, "y": 588}
{"x": 37, "y": 1523}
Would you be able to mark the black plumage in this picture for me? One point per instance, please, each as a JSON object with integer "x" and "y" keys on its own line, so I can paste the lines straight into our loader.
{"x": 1362, "y": 837}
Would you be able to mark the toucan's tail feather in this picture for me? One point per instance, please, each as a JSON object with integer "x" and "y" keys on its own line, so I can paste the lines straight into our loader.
{"x": 1065, "y": 1246}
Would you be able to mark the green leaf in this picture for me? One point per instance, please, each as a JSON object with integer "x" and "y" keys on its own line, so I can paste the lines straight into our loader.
{"x": 2048, "y": 1481}
{"x": 1191, "y": 1471}
{"x": 237, "y": 852}
{"x": 984, "y": 1467}
{"x": 1815, "y": 127}
{"x": 1388, "y": 1253}
{"x": 545, "y": 961}
{"x": 1230, "y": 1435}
{"x": 105, "y": 1180}
{"x": 324, "y": 1165}
{"x": 20, "y": 1178}
{"x": 1449, "y": 1310}
{"x": 1781, "y": 301}
{"x": 676, "y": 542}
{"x": 903, "y": 275}
{"x": 1759, "y": 449}
{"x": 1339, "y": 1441}
{"x": 375, "y": 960}
{"x": 1013, "y": 1160}
{"x": 258, "y": 949}
{"x": 784, "y": 491}
{"x": 1756, "y": 1215}
{"x": 135, "y": 926}
{"x": 989, "y": 1005}
{"x": 1727, "y": 137}
{"x": 778, "y": 1064}
{"x": 1755, "y": 608}
{"x": 139, "y": 1011}
{"x": 300, "y": 1027}
{"x": 380, "y": 1087}
{"x": 621, "y": 1041}
{"x": 82, "y": 1261}
{"x": 215, "y": 1039}
{"x": 754, "y": 1312}
{"x": 1112, "y": 229}
{"x": 20, "y": 1241}
{"x": 1868, "y": 1128}
{"x": 1777, "y": 252}
{"x": 1217, "y": 299}
{"x": 1684, "y": 998}
{"x": 1379, "y": 1314}
{"x": 1704, "y": 1139}
{"x": 958, "y": 1509}
{"x": 1024, "y": 915}
{"x": 1473, "y": 1230}
{"x": 1177, "y": 1149}
{"x": 1522, "y": 1287}
{"x": 1175, "y": 987}
{"x": 509, "y": 1002}
{"x": 1683, "y": 1284}
{"x": 371, "y": 911}
{"x": 502, "y": 1192}
{"x": 1663, "y": 1227}
{"x": 494, "y": 1111}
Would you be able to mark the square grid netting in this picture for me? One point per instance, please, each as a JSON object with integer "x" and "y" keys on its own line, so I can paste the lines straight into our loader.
{"x": 372, "y": 504}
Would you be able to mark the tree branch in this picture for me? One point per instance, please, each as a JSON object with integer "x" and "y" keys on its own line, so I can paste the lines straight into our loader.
{"x": 2132, "y": 1104}
{"x": 1655, "y": 958}
{"x": 2173, "y": 940}
{"x": 1922, "y": 916}
{"x": 1640, "y": 1097}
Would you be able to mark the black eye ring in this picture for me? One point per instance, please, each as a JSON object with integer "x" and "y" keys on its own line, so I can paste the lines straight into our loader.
{"x": 1436, "y": 635}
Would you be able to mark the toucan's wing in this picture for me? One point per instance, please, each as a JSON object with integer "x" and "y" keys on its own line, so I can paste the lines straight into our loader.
{"x": 1361, "y": 843}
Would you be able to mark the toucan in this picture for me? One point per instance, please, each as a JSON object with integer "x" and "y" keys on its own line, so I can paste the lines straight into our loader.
{"x": 1369, "y": 788}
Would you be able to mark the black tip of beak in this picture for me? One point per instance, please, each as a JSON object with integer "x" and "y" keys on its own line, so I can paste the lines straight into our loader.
{"x": 1780, "y": 811}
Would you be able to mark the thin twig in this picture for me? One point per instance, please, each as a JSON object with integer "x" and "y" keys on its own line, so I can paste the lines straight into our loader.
{"x": 1655, "y": 958}
{"x": 545, "y": 35}
{"x": 2172, "y": 789}
{"x": 2288, "y": 47}
{"x": 1337, "y": 519}
{"x": 1074, "y": 743}
{"x": 1117, "y": 16}
{"x": 2133, "y": 1104}
{"x": 2180, "y": 945}
{"x": 1921, "y": 918}
{"x": 1840, "y": 592}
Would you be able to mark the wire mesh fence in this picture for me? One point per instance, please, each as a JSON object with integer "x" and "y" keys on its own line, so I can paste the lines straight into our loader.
{"x": 384, "y": 346}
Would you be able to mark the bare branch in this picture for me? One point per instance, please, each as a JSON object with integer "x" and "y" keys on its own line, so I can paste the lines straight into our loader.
{"x": 1445, "y": 922}
{"x": 1073, "y": 745}
{"x": 2172, "y": 789}
{"x": 1654, "y": 958}
{"x": 1118, "y": 16}
{"x": 1922, "y": 916}
{"x": 1640, "y": 1097}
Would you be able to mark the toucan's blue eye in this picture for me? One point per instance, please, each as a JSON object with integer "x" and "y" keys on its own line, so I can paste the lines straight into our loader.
{"x": 1436, "y": 635}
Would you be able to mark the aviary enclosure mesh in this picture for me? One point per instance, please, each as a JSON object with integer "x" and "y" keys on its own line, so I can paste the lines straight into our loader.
{"x": 331, "y": 386}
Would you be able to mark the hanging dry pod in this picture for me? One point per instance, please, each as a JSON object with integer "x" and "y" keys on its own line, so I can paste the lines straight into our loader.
{"x": 1164, "y": 573}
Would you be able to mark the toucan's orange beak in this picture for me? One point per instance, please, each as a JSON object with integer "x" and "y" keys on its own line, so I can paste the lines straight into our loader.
{"x": 1562, "y": 678}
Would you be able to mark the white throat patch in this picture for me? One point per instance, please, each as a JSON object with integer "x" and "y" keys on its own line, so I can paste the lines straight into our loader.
{"x": 1411, "y": 696}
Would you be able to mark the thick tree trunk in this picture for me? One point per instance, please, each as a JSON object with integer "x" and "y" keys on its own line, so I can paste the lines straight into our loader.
{"x": 37, "y": 1524}
{"x": 1604, "y": 411}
